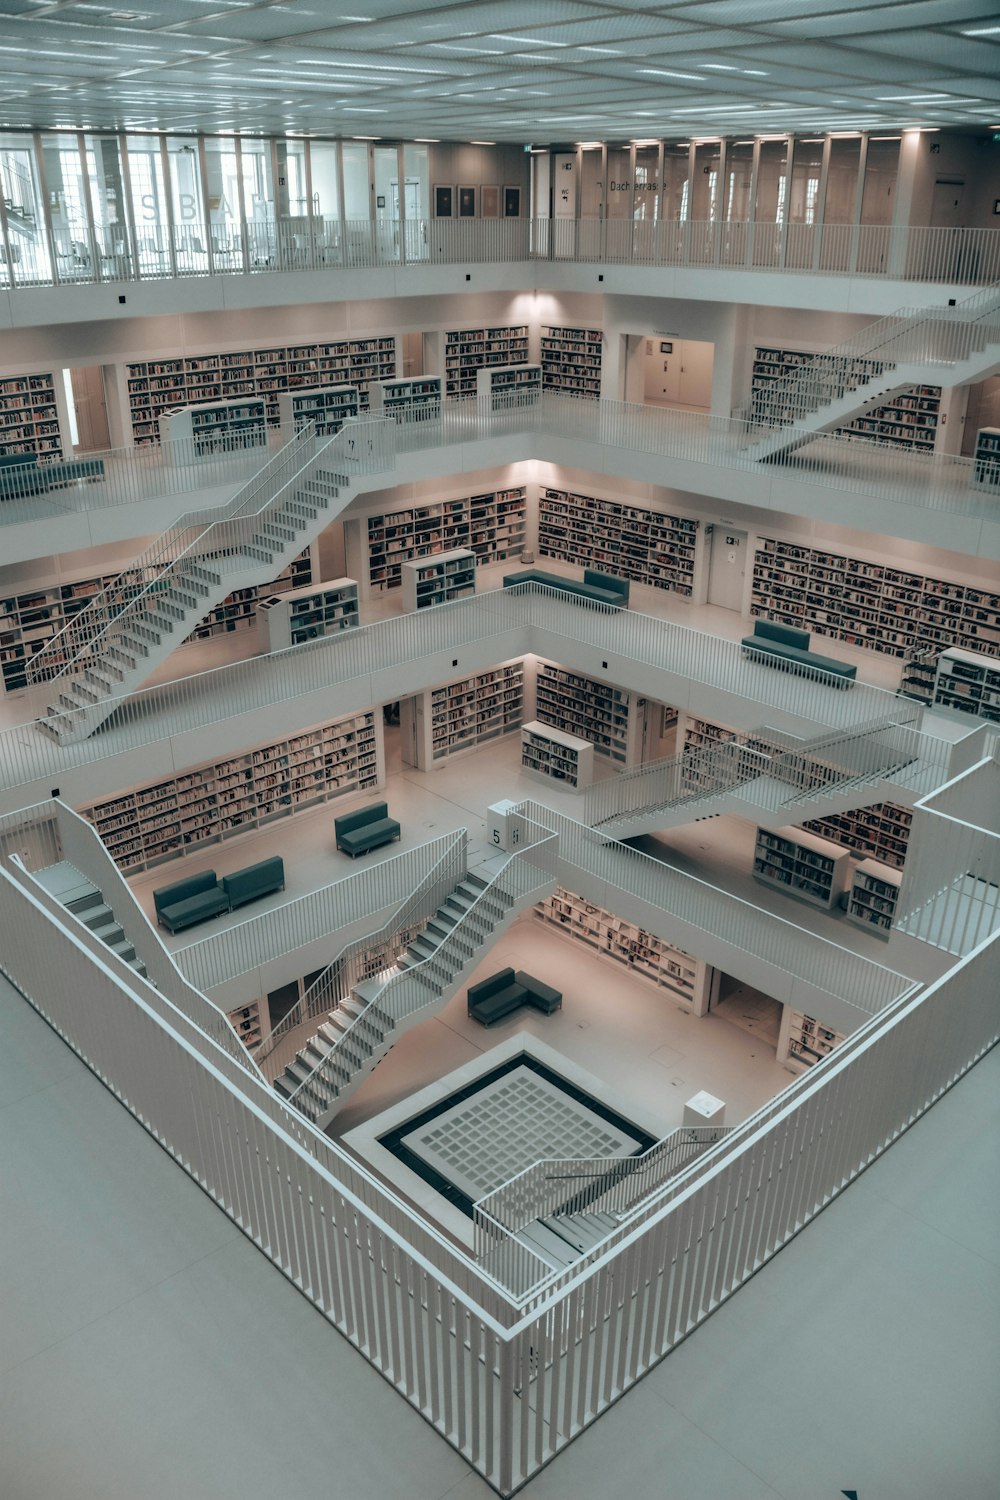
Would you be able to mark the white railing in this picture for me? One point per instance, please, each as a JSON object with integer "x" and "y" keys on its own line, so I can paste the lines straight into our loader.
{"x": 602, "y": 869}
{"x": 951, "y": 895}
{"x": 159, "y": 251}
{"x": 351, "y": 657}
{"x": 452, "y": 1344}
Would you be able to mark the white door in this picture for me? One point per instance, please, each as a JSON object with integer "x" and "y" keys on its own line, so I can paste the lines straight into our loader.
{"x": 946, "y": 205}
{"x": 727, "y": 568}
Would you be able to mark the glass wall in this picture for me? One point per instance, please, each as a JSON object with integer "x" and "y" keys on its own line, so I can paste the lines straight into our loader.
{"x": 675, "y": 182}
{"x": 803, "y": 202}
{"x": 25, "y": 253}
{"x": 150, "y": 213}
{"x": 187, "y": 210}
{"x": 67, "y": 205}
{"x": 102, "y": 155}
{"x": 646, "y": 199}
{"x": 878, "y": 202}
{"x": 772, "y": 204}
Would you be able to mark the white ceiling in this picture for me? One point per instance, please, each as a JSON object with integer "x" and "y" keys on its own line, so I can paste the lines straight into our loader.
{"x": 500, "y": 70}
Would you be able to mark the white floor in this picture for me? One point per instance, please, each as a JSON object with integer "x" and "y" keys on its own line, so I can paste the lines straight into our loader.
{"x": 148, "y": 1350}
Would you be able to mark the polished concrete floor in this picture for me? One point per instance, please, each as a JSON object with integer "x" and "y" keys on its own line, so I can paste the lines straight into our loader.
{"x": 148, "y": 1350}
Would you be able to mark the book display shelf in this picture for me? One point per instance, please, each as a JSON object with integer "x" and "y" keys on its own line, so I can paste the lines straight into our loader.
{"x": 802, "y": 865}
{"x": 307, "y": 614}
{"x": 476, "y": 709}
{"x": 578, "y": 705}
{"x": 246, "y": 1023}
{"x": 571, "y": 361}
{"x": 504, "y": 386}
{"x": 239, "y": 610}
{"x": 630, "y": 541}
{"x": 560, "y": 757}
{"x": 415, "y": 399}
{"x": 328, "y": 407}
{"x": 468, "y": 350}
{"x": 908, "y": 420}
{"x": 29, "y": 417}
{"x": 157, "y": 386}
{"x": 882, "y": 831}
{"x": 491, "y": 525}
{"x": 986, "y": 462}
{"x": 642, "y": 953}
{"x": 868, "y": 604}
{"x": 969, "y": 682}
{"x": 439, "y": 579}
{"x": 217, "y": 426}
{"x": 871, "y": 900}
{"x": 809, "y": 1041}
{"x": 159, "y": 820}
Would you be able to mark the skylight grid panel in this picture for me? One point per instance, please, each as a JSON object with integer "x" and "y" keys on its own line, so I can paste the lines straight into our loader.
{"x": 887, "y": 18}
{"x": 762, "y": 12}
{"x": 597, "y": 29}
{"x": 833, "y": 62}
{"x": 972, "y": 54}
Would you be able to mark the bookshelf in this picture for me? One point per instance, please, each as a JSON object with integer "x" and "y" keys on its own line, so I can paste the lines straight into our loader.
{"x": 246, "y": 1023}
{"x": 157, "y": 821}
{"x": 490, "y": 525}
{"x": 217, "y": 426}
{"x": 306, "y": 614}
{"x": 800, "y": 864}
{"x": 438, "y": 579}
{"x": 415, "y": 399}
{"x": 869, "y": 604}
{"x": 571, "y": 361}
{"x": 327, "y": 406}
{"x": 646, "y": 546}
{"x": 239, "y": 610}
{"x": 29, "y": 416}
{"x": 871, "y": 900}
{"x": 622, "y": 942}
{"x": 808, "y": 1042}
{"x": 477, "y": 709}
{"x": 882, "y": 831}
{"x": 559, "y": 757}
{"x": 505, "y": 386}
{"x": 595, "y": 711}
{"x": 970, "y": 682}
{"x": 468, "y": 350}
{"x": 908, "y": 420}
{"x": 153, "y": 387}
{"x": 986, "y": 461}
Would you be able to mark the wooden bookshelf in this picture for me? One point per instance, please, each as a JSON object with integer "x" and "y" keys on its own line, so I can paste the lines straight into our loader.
{"x": 501, "y": 387}
{"x": 415, "y": 399}
{"x": 157, "y": 821}
{"x": 571, "y": 361}
{"x": 560, "y": 757}
{"x": 217, "y": 426}
{"x": 328, "y": 407}
{"x": 986, "y": 461}
{"x": 475, "y": 710}
{"x": 490, "y": 525}
{"x": 595, "y": 711}
{"x": 158, "y": 386}
{"x": 308, "y": 614}
{"x": 29, "y": 416}
{"x": 439, "y": 579}
{"x": 801, "y": 865}
{"x": 868, "y": 604}
{"x": 968, "y": 681}
{"x": 468, "y": 350}
{"x": 871, "y": 900}
{"x": 646, "y": 546}
{"x": 622, "y": 942}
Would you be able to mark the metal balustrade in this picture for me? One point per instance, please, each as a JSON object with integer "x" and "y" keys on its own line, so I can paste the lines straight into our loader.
{"x": 155, "y": 251}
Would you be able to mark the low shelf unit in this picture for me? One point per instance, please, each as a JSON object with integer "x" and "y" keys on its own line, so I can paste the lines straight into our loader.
{"x": 467, "y": 350}
{"x": 986, "y": 461}
{"x": 622, "y": 942}
{"x": 969, "y": 682}
{"x": 439, "y": 579}
{"x": 596, "y": 711}
{"x": 328, "y": 407}
{"x": 871, "y": 900}
{"x": 414, "y": 399}
{"x": 504, "y": 386}
{"x": 308, "y": 613}
{"x": 159, "y": 820}
{"x": 800, "y": 864}
{"x": 804, "y": 1041}
{"x": 559, "y": 757}
{"x": 217, "y": 427}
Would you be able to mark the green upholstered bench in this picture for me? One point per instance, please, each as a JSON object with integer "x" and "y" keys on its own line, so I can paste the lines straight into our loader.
{"x": 492, "y": 999}
{"x": 254, "y": 881}
{"x": 776, "y": 643}
{"x": 189, "y": 901}
{"x": 599, "y": 588}
{"x": 367, "y": 828}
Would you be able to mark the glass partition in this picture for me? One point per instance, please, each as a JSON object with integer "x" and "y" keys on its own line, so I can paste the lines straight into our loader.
{"x": 388, "y": 201}
{"x": 324, "y": 164}
{"x": 839, "y": 235}
{"x": 150, "y": 214}
{"x": 771, "y": 207}
{"x": 187, "y": 202}
{"x": 803, "y": 202}
{"x": 28, "y": 251}
{"x": 357, "y": 203}
{"x": 619, "y": 183}
{"x": 71, "y": 237}
{"x": 675, "y": 182}
{"x": 646, "y": 200}
{"x": 258, "y": 202}
{"x": 739, "y": 181}
{"x": 416, "y": 187}
{"x": 878, "y": 201}
{"x": 102, "y": 155}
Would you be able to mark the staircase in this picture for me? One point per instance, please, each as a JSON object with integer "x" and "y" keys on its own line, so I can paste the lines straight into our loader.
{"x": 952, "y": 345}
{"x": 362, "y": 1029}
{"x": 109, "y": 649}
{"x": 762, "y": 776}
{"x": 81, "y": 897}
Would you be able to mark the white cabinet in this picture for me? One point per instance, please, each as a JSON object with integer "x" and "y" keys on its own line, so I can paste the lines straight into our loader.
{"x": 970, "y": 682}
{"x": 802, "y": 865}
{"x": 439, "y": 579}
{"x": 307, "y": 614}
{"x": 504, "y": 386}
{"x": 327, "y": 406}
{"x": 560, "y": 757}
{"x": 871, "y": 901}
{"x": 415, "y": 399}
{"x": 218, "y": 426}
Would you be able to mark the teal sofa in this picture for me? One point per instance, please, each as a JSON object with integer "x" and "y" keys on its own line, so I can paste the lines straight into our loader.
{"x": 506, "y": 991}
{"x": 22, "y": 474}
{"x": 258, "y": 880}
{"x": 777, "y": 644}
{"x": 188, "y": 901}
{"x": 600, "y": 588}
{"x": 365, "y": 829}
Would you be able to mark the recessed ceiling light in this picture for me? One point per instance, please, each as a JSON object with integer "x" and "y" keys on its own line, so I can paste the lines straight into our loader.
{"x": 482, "y": 143}
{"x": 663, "y": 73}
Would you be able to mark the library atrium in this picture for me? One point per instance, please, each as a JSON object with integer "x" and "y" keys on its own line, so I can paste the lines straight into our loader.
{"x": 499, "y": 748}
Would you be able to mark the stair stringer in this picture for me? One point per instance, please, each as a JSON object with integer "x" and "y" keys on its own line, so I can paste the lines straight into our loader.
{"x": 439, "y": 975}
